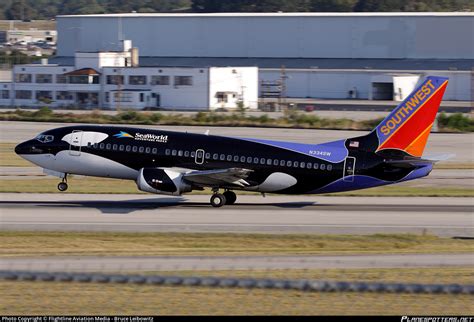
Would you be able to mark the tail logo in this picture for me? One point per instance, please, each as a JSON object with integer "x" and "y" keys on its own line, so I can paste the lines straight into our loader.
{"x": 406, "y": 110}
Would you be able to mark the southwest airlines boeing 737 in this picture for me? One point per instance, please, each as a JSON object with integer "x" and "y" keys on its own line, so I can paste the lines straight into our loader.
{"x": 174, "y": 163}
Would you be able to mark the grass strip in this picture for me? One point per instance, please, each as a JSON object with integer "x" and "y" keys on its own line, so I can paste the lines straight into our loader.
{"x": 23, "y": 243}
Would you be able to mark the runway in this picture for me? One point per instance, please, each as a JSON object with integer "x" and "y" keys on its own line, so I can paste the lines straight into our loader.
{"x": 196, "y": 263}
{"x": 252, "y": 213}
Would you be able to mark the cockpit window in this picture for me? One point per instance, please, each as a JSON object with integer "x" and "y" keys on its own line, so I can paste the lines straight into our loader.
{"x": 45, "y": 138}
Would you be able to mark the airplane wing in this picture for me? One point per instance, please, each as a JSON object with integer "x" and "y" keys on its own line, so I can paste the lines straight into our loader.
{"x": 221, "y": 177}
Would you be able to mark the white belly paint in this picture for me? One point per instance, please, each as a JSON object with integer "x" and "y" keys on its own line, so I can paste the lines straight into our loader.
{"x": 92, "y": 165}
{"x": 275, "y": 182}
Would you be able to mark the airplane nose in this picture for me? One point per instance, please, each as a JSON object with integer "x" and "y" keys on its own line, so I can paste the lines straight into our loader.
{"x": 28, "y": 147}
{"x": 23, "y": 148}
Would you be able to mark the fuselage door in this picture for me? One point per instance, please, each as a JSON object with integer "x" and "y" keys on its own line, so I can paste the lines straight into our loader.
{"x": 75, "y": 143}
{"x": 349, "y": 169}
{"x": 199, "y": 158}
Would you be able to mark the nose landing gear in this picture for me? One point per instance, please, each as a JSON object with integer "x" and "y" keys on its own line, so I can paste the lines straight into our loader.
{"x": 62, "y": 186}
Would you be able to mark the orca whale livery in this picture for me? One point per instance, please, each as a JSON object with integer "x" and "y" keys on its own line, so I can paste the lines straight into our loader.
{"x": 173, "y": 163}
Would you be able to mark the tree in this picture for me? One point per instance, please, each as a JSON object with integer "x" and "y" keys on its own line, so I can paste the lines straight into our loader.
{"x": 20, "y": 10}
{"x": 80, "y": 7}
{"x": 333, "y": 5}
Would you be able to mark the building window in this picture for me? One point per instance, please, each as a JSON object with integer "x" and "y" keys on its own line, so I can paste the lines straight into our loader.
{"x": 142, "y": 97}
{"x": 107, "y": 97}
{"x": 64, "y": 96}
{"x": 44, "y": 95}
{"x": 183, "y": 81}
{"x": 61, "y": 79}
{"x": 5, "y": 94}
{"x": 79, "y": 79}
{"x": 44, "y": 78}
{"x": 115, "y": 79}
{"x": 23, "y": 78}
{"x": 123, "y": 97}
{"x": 23, "y": 95}
{"x": 160, "y": 80}
{"x": 137, "y": 80}
{"x": 221, "y": 97}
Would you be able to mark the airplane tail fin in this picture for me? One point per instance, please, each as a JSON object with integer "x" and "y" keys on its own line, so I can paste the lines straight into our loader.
{"x": 408, "y": 126}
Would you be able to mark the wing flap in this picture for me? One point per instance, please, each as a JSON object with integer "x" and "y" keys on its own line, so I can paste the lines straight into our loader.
{"x": 220, "y": 177}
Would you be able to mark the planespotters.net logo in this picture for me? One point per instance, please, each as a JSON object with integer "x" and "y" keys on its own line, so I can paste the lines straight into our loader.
{"x": 437, "y": 319}
{"x": 144, "y": 137}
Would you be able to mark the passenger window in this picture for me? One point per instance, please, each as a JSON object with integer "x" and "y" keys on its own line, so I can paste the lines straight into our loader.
{"x": 249, "y": 159}
{"x": 222, "y": 157}
{"x": 288, "y": 163}
{"x": 180, "y": 153}
{"x": 302, "y": 165}
{"x": 89, "y": 144}
{"x": 323, "y": 166}
{"x": 174, "y": 152}
{"x": 115, "y": 147}
{"x": 309, "y": 165}
{"x": 108, "y": 146}
{"x": 269, "y": 161}
{"x": 242, "y": 159}
{"x": 262, "y": 160}
{"x": 147, "y": 150}
{"x": 128, "y": 148}
{"x": 215, "y": 156}
{"x": 236, "y": 158}
{"x": 275, "y": 162}
{"x": 207, "y": 156}
{"x": 101, "y": 146}
{"x": 141, "y": 149}
{"x": 95, "y": 145}
{"x": 316, "y": 166}
{"x": 296, "y": 164}
{"x": 134, "y": 148}
{"x": 121, "y": 147}
{"x": 193, "y": 154}
{"x": 229, "y": 157}
{"x": 282, "y": 163}
{"x": 186, "y": 154}
{"x": 329, "y": 167}
{"x": 154, "y": 151}
{"x": 167, "y": 152}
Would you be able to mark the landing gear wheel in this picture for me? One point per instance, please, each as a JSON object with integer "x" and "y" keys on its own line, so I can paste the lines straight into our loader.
{"x": 218, "y": 200}
{"x": 62, "y": 186}
{"x": 230, "y": 197}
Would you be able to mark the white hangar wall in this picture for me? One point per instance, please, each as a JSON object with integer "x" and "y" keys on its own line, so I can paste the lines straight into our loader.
{"x": 337, "y": 84}
{"x": 290, "y": 35}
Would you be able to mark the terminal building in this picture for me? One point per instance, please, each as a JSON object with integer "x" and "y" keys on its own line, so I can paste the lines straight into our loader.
{"x": 376, "y": 56}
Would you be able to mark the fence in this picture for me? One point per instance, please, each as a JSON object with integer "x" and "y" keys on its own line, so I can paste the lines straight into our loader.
{"x": 43, "y": 292}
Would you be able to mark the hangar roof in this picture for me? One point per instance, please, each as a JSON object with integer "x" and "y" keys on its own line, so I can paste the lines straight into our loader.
{"x": 299, "y": 63}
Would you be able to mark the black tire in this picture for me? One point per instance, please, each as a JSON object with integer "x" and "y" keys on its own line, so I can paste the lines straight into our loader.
{"x": 62, "y": 186}
{"x": 230, "y": 197}
{"x": 218, "y": 200}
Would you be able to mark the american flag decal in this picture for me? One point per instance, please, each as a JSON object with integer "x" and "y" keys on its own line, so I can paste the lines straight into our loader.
{"x": 354, "y": 144}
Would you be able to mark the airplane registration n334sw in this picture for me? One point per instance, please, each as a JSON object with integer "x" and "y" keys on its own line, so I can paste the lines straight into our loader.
{"x": 173, "y": 163}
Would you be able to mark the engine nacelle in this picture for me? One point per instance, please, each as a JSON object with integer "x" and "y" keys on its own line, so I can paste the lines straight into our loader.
{"x": 162, "y": 181}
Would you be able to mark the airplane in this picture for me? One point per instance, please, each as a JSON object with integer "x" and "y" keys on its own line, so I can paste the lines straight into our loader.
{"x": 173, "y": 163}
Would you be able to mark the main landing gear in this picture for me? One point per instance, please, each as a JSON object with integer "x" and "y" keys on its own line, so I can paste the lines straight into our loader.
{"x": 62, "y": 186}
{"x": 226, "y": 198}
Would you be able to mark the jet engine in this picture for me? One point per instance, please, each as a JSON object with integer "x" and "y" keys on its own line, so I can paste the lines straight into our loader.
{"x": 162, "y": 181}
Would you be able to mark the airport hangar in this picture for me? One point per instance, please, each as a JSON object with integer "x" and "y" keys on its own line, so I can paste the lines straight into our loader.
{"x": 379, "y": 56}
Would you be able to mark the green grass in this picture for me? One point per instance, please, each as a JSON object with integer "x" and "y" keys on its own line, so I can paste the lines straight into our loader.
{"x": 19, "y": 243}
{"x": 115, "y": 186}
